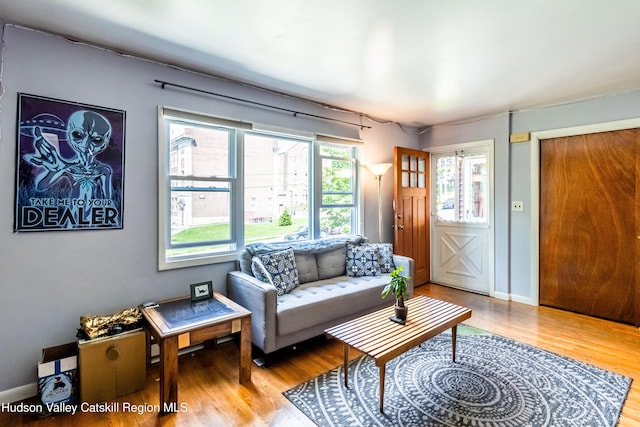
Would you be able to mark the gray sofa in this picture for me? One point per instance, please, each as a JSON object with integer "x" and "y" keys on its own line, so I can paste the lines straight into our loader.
{"x": 327, "y": 294}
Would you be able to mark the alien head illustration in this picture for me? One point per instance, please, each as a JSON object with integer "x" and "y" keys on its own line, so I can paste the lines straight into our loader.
{"x": 88, "y": 133}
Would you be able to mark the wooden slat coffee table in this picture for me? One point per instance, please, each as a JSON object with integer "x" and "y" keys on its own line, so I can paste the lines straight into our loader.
{"x": 377, "y": 336}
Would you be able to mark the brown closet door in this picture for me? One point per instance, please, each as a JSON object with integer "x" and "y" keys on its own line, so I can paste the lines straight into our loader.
{"x": 588, "y": 251}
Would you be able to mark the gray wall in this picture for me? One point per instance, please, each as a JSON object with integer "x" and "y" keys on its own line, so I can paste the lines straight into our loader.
{"x": 491, "y": 128}
{"x": 513, "y": 172}
{"x": 50, "y": 279}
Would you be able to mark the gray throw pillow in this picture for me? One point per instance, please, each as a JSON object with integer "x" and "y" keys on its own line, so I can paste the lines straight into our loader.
{"x": 306, "y": 267}
{"x": 331, "y": 263}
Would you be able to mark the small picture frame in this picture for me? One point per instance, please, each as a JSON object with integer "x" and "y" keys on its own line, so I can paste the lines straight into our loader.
{"x": 201, "y": 291}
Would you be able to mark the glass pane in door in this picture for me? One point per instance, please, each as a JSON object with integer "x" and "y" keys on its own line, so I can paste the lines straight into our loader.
{"x": 445, "y": 188}
{"x": 475, "y": 170}
{"x": 461, "y": 187}
{"x": 414, "y": 172}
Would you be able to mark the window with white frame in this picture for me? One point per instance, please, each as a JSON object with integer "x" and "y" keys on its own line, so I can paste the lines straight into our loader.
{"x": 223, "y": 185}
{"x": 339, "y": 206}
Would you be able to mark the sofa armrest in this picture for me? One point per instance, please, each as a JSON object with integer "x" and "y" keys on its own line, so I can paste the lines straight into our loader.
{"x": 261, "y": 299}
{"x": 409, "y": 270}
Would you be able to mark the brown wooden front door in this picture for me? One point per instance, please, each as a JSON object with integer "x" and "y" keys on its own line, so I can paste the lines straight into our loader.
{"x": 411, "y": 209}
{"x": 589, "y": 222}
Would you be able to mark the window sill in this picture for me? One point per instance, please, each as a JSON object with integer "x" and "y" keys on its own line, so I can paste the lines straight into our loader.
{"x": 164, "y": 264}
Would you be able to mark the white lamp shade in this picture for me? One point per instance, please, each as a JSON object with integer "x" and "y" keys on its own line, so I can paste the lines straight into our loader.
{"x": 378, "y": 169}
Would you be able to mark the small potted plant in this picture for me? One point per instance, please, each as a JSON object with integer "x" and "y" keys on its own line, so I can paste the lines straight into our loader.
{"x": 398, "y": 286}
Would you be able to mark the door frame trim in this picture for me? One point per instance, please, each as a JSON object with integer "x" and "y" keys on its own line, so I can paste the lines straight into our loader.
{"x": 534, "y": 290}
{"x": 490, "y": 144}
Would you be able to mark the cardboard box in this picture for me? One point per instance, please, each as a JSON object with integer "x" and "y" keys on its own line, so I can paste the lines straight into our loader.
{"x": 111, "y": 367}
{"x": 58, "y": 375}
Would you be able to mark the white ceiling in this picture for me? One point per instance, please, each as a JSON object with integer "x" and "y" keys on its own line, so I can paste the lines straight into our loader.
{"x": 417, "y": 62}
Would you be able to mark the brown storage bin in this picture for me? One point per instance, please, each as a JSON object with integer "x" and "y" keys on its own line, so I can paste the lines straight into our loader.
{"x": 112, "y": 367}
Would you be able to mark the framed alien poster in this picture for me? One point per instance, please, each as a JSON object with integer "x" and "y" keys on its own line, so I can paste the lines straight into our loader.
{"x": 69, "y": 167}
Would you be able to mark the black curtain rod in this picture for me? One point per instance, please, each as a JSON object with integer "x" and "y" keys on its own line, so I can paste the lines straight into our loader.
{"x": 260, "y": 104}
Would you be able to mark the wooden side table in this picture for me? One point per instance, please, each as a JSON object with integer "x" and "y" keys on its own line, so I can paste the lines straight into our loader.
{"x": 177, "y": 323}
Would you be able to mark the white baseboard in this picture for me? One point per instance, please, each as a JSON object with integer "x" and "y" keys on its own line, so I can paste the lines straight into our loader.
{"x": 502, "y": 295}
{"x": 19, "y": 393}
{"x": 523, "y": 300}
{"x": 514, "y": 298}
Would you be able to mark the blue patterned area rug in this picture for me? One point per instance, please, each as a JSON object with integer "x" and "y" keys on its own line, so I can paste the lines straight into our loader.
{"x": 495, "y": 381}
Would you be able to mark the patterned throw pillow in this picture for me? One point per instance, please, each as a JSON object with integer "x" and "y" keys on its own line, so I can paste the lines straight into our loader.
{"x": 281, "y": 269}
{"x": 385, "y": 257}
{"x": 259, "y": 271}
{"x": 362, "y": 261}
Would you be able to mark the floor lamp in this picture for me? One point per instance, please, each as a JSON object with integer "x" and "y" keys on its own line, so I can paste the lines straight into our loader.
{"x": 379, "y": 169}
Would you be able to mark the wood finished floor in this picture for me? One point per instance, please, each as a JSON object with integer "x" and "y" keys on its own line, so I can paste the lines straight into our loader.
{"x": 208, "y": 382}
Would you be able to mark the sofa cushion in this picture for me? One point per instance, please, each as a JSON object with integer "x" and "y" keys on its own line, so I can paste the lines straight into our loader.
{"x": 325, "y": 300}
{"x": 306, "y": 266}
{"x": 281, "y": 267}
{"x": 361, "y": 260}
{"x": 317, "y": 247}
{"x": 331, "y": 263}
